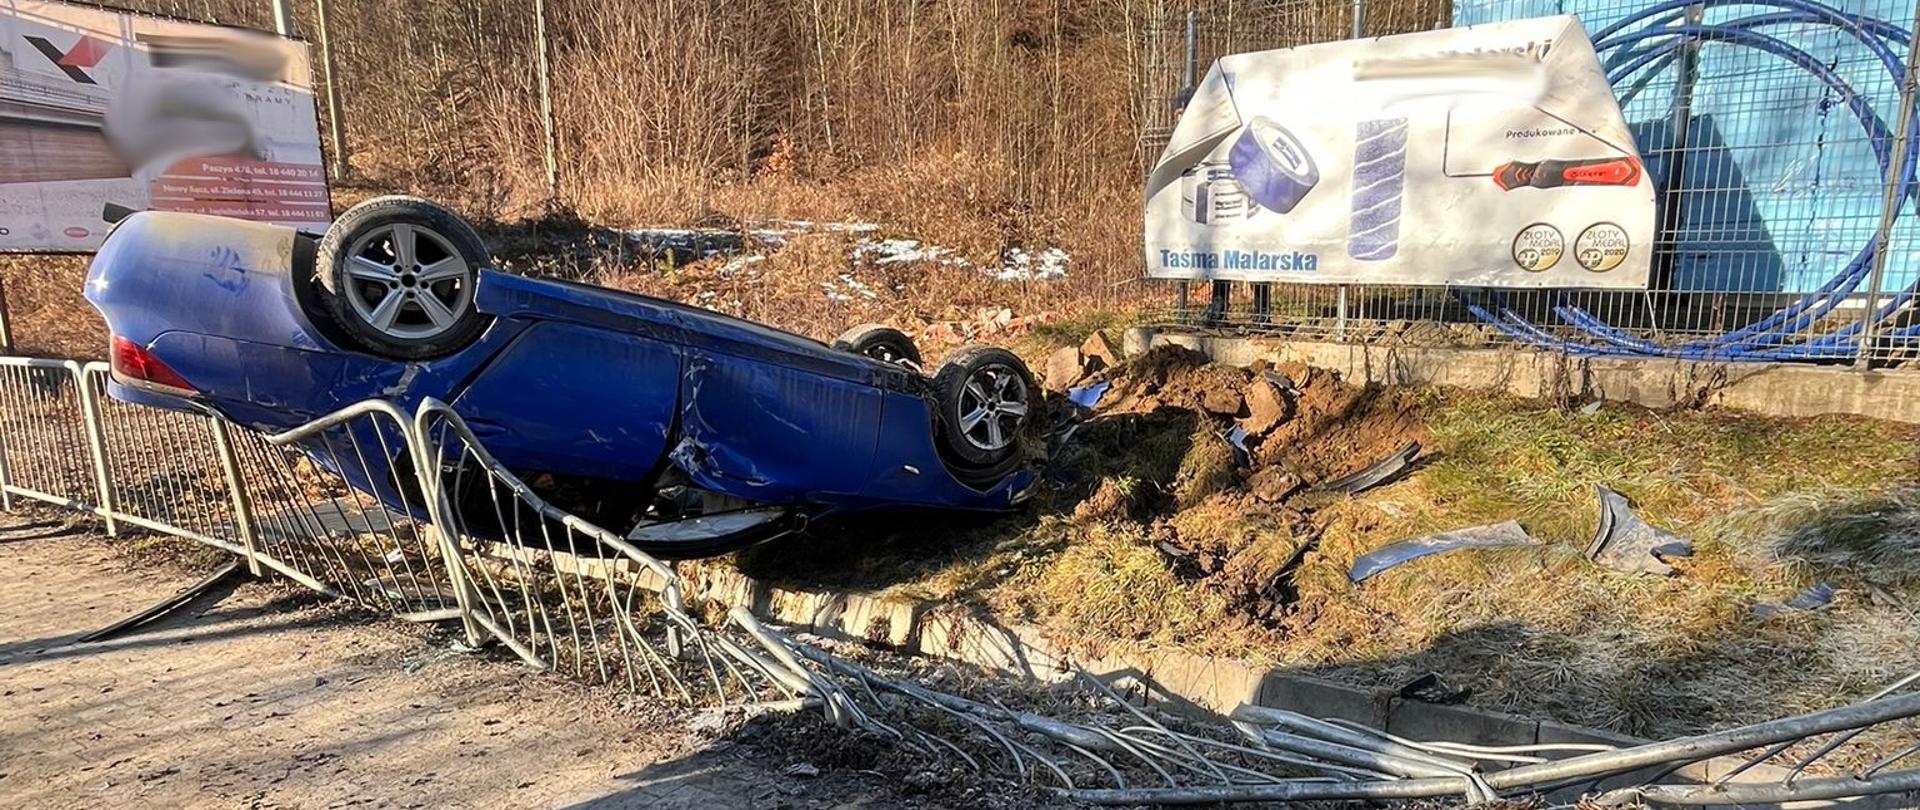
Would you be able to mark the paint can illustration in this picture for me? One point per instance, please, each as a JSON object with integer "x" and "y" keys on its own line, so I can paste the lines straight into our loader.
{"x": 1379, "y": 179}
{"x": 1272, "y": 165}
{"x": 1210, "y": 195}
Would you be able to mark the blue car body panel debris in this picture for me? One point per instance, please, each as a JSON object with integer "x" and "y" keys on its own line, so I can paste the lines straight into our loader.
{"x": 1498, "y": 535}
{"x": 1087, "y": 396}
{"x": 1625, "y": 543}
{"x": 567, "y": 378}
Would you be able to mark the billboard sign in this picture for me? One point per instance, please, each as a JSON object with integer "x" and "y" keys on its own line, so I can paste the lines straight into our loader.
{"x": 1489, "y": 156}
{"x": 100, "y": 107}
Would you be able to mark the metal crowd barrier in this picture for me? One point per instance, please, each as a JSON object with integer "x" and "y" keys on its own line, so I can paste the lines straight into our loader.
{"x": 559, "y": 592}
{"x": 53, "y": 451}
{"x": 460, "y": 538}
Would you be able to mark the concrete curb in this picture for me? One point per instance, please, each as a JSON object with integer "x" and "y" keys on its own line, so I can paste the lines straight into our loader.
{"x": 1195, "y": 685}
{"x": 1771, "y": 389}
{"x": 1183, "y": 682}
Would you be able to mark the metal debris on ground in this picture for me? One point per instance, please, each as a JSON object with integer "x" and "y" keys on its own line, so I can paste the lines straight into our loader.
{"x": 1817, "y": 596}
{"x": 1626, "y": 543}
{"x": 1431, "y": 688}
{"x": 566, "y": 595}
{"x": 224, "y": 574}
{"x": 1280, "y": 381}
{"x": 1375, "y": 474}
{"x": 1497, "y": 535}
{"x": 1236, "y": 436}
{"x": 1088, "y": 396}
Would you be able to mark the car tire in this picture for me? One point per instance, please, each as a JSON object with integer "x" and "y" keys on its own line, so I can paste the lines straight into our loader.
{"x": 986, "y": 400}
{"x": 400, "y": 275}
{"x": 883, "y": 343}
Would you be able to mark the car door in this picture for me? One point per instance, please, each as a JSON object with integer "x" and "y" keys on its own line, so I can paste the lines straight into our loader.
{"x": 579, "y": 400}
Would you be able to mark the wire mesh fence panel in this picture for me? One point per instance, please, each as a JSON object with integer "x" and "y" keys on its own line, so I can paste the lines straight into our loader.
{"x": 163, "y": 468}
{"x": 46, "y": 452}
{"x": 1182, "y": 40}
{"x": 1780, "y": 138}
{"x": 574, "y": 597}
{"x": 340, "y": 507}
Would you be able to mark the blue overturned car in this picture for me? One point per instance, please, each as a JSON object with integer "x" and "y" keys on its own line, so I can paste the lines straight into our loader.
{"x": 695, "y": 432}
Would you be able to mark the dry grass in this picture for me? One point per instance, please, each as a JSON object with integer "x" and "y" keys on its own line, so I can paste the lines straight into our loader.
{"x": 1544, "y": 632}
{"x": 816, "y": 286}
{"x": 1864, "y": 536}
{"x": 1118, "y": 551}
{"x": 45, "y": 310}
{"x": 980, "y": 124}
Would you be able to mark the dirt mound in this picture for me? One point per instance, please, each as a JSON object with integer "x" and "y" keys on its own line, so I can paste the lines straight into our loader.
{"x": 1334, "y": 429}
{"x": 1305, "y": 421}
{"x": 1215, "y": 467}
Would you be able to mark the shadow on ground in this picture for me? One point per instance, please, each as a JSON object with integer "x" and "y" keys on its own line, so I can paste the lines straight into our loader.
{"x": 879, "y": 551}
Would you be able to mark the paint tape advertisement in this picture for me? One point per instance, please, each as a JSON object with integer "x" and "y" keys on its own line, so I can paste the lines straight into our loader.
{"x": 100, "y": 107}
{"x": 1490, "y": 156}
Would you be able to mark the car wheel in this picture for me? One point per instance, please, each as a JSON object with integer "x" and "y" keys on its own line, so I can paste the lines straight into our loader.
{"x": 883, "y": 343}
{"x": 400, "y": 274}
{"x": 985, "y": 397}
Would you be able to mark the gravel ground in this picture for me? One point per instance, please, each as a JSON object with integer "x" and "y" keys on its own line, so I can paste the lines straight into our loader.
{"x": 272, "y": 698}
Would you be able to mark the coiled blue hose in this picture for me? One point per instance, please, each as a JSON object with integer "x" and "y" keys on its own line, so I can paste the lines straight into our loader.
{"x": 1658, "y": 32}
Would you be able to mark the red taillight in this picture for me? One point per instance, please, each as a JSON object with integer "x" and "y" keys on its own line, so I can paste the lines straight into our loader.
{"x": 134, "y": 365}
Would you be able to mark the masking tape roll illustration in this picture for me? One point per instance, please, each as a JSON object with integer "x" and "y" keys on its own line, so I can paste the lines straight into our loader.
{"x": 1379, "y": 178}
{"x": 1210, "y": 195}
{"x": 1272, "y": 165}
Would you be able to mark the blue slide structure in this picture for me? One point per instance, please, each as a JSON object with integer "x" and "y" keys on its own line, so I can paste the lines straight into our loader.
{"x": 1775, "y": 185}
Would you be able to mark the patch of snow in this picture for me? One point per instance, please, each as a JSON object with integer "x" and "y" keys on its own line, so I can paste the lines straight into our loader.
{"x": 1019, "y": 265}
{"x": 739, "y": 263}
{"x": 1015, "y": 265}
{"x": 897, "y": 251}
{"x": 858, "y": 288}
{"x": 829, "y": 227}
{"x": 720, "y": 241}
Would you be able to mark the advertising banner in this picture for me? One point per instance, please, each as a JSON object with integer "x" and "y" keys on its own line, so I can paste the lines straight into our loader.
{"x": 100, "y": 107}
{"x": 1490, "y": 156}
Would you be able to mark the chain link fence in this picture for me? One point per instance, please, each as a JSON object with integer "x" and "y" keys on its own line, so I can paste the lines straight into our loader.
{"x": 1781, "y": 137}
{"x": 408, "y": 514}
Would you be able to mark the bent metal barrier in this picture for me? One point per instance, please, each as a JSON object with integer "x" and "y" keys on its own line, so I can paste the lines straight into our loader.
{"x": 470, "y": 542}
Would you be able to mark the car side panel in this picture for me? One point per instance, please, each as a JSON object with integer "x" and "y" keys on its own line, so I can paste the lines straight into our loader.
{"x": 773, "y": 433}
{"x": 574, "y": 399}
{"x": 516, "y": 297}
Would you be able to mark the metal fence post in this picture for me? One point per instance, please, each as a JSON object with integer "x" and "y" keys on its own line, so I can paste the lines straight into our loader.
{"x": 1342, "y": 313}
{"x": 97, "y": 444}
{"x": 335, "y": 128}
{"x": 426, "y": 471}
{"x": 1192, "y": 68}
{"x": 1891, "y": 201}
{"x": 1189, "y": 77}
{"x": 282, "y": 18}
{"x": 237, "y": 485}
{"x": 463, "y": 590}
{"x": 6, "y": 476}
{"x": 676, "y": 602}
{"x": 546, "y": 96}
{"x": 6, "y": 326}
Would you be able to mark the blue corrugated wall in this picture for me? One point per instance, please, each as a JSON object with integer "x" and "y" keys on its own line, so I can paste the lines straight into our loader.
{"x": 1776, "y": 187}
